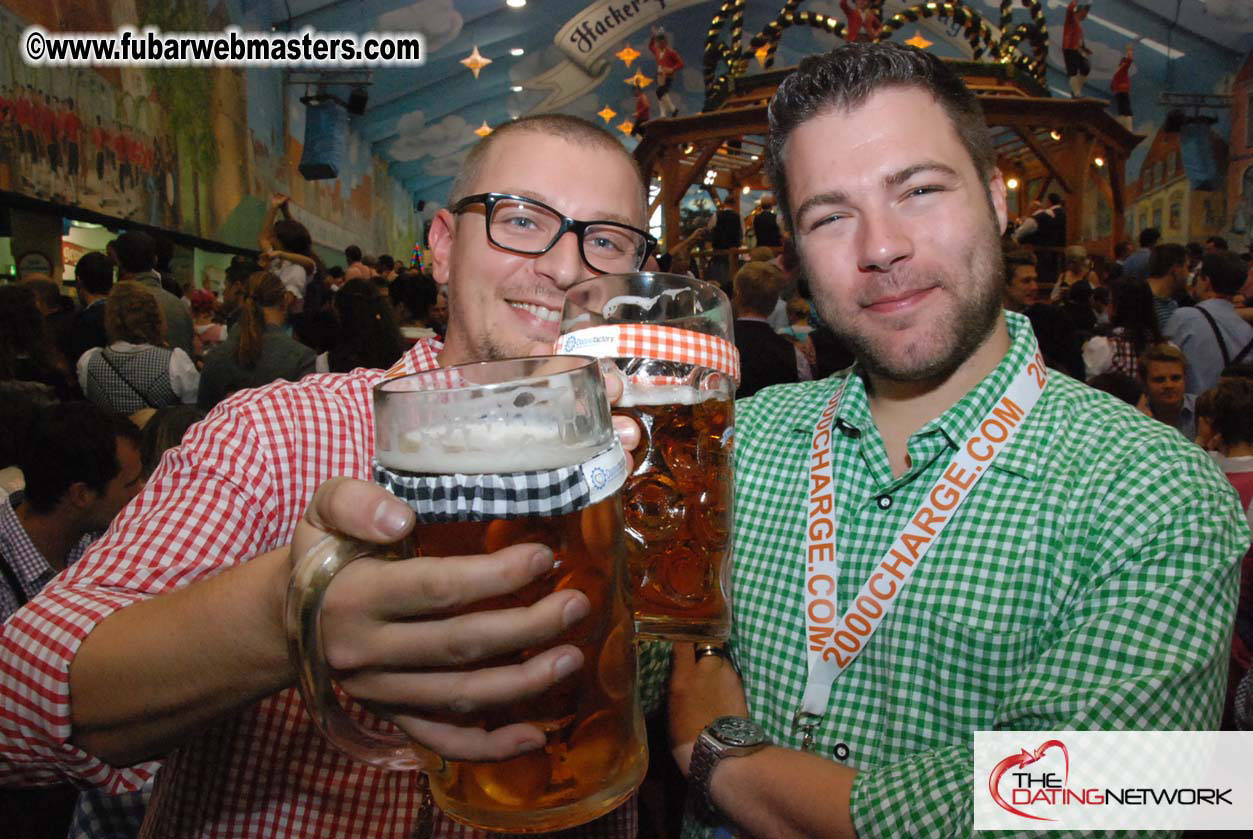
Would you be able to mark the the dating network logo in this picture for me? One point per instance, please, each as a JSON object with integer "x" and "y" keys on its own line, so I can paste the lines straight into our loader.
{"x": 1022, "y": 792}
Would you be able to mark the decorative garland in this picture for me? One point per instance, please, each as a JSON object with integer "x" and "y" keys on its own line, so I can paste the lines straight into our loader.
{"x": 725, "y": 62}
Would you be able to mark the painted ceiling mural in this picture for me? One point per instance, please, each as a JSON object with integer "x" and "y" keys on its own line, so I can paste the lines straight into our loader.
{"x": 489, "y": 61}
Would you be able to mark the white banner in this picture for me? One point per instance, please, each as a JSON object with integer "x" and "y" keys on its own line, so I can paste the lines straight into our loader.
{"x": 1130, "y": 780}
{"x": 605, "y": 25}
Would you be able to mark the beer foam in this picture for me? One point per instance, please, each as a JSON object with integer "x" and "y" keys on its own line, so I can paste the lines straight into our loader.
{"x": 642, "y": 395}
{"x": 485, "y": 449}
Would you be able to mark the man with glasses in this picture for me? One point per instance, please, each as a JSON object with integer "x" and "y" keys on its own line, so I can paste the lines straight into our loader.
{"x": 169, "y": 640}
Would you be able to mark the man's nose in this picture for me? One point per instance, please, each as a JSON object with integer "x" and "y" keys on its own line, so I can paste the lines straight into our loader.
{"x": 883, "y": 240}
{"x": 563, "y": 262}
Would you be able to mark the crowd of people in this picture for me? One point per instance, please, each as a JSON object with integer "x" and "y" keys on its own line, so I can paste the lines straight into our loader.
{"x": 1089, "y": 580}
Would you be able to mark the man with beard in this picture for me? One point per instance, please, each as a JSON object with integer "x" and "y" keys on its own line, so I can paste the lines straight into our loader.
{"x": 947, "y": 537}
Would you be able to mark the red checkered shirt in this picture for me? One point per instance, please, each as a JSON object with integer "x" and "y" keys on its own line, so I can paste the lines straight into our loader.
{"x": 235, "y": 489}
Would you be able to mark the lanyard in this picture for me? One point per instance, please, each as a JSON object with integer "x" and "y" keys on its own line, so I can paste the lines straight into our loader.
{"x": 832, "y": 644}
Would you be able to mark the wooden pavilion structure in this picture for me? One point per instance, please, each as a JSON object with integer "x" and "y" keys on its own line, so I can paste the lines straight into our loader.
{"x": 1046, "y": 143}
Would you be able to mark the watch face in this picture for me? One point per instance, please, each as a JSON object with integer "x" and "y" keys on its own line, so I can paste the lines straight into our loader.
{"x": 737, "y": 731}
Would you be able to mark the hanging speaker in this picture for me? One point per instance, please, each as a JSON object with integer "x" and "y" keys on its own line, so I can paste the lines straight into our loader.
{"x": 326, "y": 141}
{"x": 357, "y": 100}
{"x": 1197, "y": 150}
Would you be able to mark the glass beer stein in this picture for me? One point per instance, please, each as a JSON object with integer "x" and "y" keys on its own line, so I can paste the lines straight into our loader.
{"x": 490, "y": 455}
{"x": 672, "y": 341}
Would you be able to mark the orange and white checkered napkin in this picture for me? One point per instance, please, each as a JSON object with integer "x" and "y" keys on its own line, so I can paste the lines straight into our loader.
{"x": 652, "y": 340}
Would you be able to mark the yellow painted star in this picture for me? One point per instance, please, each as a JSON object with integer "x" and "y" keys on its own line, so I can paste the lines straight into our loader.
{"x": 483, "y": 130}
{"x": 627, "y": 55}
{"x": 919, "y": 41}
{"x": 475, "y": 61}
{"x": 639, "y": 80}
{"x": 606, "y": 113}
{"x": 762, "y": 54}
{"x": 626, "y": 126}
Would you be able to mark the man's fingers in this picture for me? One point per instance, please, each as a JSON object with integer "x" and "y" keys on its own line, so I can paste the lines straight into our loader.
{"x": 412, "y": 587}
{"x": 359, "y": 509}
{"x": 465, "y": 692}
{"x": 474, "y": 744}
{"x": 457, "y": 641}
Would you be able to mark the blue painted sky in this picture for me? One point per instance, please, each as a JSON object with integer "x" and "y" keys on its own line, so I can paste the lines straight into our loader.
{"x": 421, "y": 119}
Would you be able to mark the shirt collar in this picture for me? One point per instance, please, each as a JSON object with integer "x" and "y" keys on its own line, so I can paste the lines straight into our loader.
{"x": 422, "y": 356}
{"x": 26, "y": 561}
{"x": 959, "y": 423}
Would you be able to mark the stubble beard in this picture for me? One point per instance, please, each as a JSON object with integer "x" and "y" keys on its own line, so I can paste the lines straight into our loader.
{"x": 953, "y": 336}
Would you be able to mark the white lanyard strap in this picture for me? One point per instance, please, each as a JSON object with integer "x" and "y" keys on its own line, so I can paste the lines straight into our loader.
{"x": 832, "y": 644}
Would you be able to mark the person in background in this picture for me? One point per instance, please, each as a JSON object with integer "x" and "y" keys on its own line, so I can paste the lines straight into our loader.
{"x": 367, "y": 334}
{"x": 1212, "y": 334}
{"x": 766, "y": 224}
{"x": 1163, "y": 368}
{"x": 136, "y": 256}
{"x": 386, "y": 268}
{"x": 81, "y": 465}
{"x": 138, "y": 372}
{"x": 27, "y": 350}
{"x": 1136, "y": 264}
{"x": 259, "y": 351}
{"x": 1224, "y": 427}
{"x": 164, "y": 431}
{"x": 356, "y": 270}
{"x": 439, "y": 311}
{"x": 412, "y": 296}
{"x": 287, "y": 251}
{"x": 1077, "y": 268}
{"x": 766, "y": 358}
{"x": 93, "y": 280}
{"x": 335, "y": 277}
{"x": 204, "y": 312}
{"x": 1132, "y": 329}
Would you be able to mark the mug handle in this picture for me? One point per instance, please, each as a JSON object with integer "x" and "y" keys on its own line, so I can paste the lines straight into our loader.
{"x": 310, "y": 578}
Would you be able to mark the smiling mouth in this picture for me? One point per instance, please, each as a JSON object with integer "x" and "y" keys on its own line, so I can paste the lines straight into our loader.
{"x": 541, "y": 312}
{"x": 899, "y": 301}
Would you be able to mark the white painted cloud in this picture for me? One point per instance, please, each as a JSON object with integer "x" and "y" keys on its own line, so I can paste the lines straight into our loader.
{"x": 446, "y": 136}
{"x": 436, "y": 19}
{"x": 408, "y": 144}
{"x": 411, "y": 123}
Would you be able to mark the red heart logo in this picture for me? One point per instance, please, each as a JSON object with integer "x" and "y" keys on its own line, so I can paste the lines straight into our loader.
{"x": 1024, "y": 758}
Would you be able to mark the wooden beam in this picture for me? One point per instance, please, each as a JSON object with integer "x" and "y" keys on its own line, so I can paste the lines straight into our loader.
{"x": 1042, "y": 156}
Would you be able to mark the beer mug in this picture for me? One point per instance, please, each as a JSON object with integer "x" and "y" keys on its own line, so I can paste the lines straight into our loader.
{"x": 490, "y": 455}
{"x": 672, "y": 341}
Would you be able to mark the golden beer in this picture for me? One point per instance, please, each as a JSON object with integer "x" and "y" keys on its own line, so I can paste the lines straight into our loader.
{"x": 677, "y": 510}
{"x": 490, "y": 455}
{"x": 595, "y": 755}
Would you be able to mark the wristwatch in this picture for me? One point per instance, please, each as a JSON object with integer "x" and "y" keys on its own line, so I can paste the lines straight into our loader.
{"x": 725, "y": 737}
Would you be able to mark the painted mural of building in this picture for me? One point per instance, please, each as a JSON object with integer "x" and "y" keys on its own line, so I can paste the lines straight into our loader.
{"x": 1240, "y": 165}
{"x": 1161, "y": 196}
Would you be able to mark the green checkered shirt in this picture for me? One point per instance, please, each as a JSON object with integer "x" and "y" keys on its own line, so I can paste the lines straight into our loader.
{"x": 1088, "y": 582}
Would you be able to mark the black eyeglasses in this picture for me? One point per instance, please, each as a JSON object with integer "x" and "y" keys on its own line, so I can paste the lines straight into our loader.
{"x": 526, "y": 226}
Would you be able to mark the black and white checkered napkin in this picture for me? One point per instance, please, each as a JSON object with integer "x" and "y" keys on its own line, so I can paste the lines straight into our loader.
{"x": 508, "y": 495}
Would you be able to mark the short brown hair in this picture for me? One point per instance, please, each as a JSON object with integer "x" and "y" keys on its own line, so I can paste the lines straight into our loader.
{"x": 846, "y": 77}
{"x": 1015, "y": 258}
{"x": 132, "y": 314}
{"x": 757, "y": 287}
{"x": 1164, "y": 352}
{"x": 1229, "y": 409}
{"x": 572, "y": 129}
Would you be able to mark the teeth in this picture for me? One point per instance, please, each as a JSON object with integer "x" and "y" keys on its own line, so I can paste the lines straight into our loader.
{"x": 550, "y": 315}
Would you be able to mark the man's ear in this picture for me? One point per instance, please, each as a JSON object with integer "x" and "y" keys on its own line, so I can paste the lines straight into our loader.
{"x": 443, "y": 232}
{"x": 80, "y": 496}
{"x": 997, "y": 191}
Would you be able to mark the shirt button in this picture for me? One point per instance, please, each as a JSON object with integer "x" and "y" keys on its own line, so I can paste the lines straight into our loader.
{"x": 885, "y": 501}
